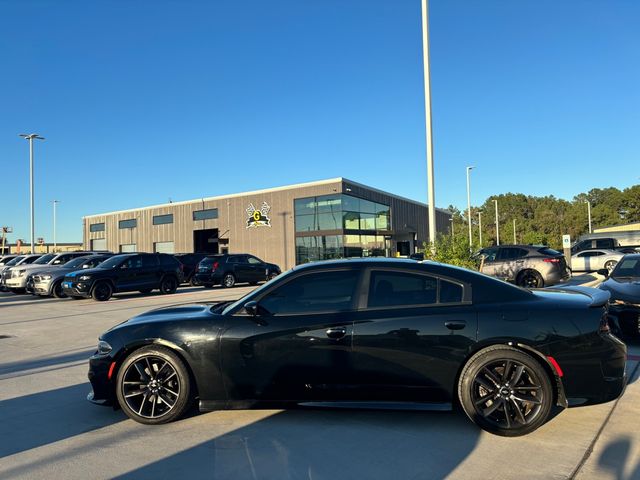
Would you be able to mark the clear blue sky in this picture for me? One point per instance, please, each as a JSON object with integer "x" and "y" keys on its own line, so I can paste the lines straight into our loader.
{"x": 149, "y": 100}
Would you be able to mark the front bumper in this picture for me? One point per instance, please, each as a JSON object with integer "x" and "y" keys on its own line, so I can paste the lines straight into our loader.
{"x": 102, "y": 388}
{"x": 39, "y": 288}
{"x": 627, "y": 317}
{"x": 76, "y": 289}
{"x": 16, "y": 282}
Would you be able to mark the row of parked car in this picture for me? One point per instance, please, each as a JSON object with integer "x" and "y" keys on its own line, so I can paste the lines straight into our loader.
{"x": 99, "y": 275}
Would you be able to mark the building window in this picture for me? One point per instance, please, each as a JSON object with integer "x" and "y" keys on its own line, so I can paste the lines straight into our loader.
{"x": 163, "y": 247}
{"x": 96, "y": 227}
{"x": 205, "y": 214}
{"x": 163, "y": 219}
{"x": 128, "y": 248}
{"x": 131, "y": 223}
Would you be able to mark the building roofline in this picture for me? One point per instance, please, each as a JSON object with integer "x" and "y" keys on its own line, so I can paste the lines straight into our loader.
{"x": 263, "y": 191}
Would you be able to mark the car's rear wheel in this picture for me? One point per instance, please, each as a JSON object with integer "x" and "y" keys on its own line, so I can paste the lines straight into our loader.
{"x": 228, "y": 280}
{"x": 57, "y": 290}
{"x": 505, "y": 391}
{"x": 610, "y": 265}
{"x": 530, "y": 279}
{"x": 102, "y": 291}
{"x": 169, "y": 285}
{"x": 153, "y": 386}
{"x": 271, "y": 276}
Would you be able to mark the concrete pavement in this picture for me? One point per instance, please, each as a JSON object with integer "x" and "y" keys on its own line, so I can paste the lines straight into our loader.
{"x": 49, "y": 430}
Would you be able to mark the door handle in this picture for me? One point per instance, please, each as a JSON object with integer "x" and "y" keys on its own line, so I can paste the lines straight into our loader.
{"x": 455, "y": 324}
{"x": 336, "y": 332}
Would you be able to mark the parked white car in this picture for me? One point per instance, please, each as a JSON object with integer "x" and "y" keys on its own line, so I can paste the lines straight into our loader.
{"x": 592, "y": 260}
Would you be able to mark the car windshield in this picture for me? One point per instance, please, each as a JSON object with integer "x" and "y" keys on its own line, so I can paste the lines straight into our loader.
{"x": 627, "y": 268}
{"x": 255, "y": 292}
{"x": 76, "y": 262}
{"x": 43, "y": 260}
{"x": 14, "y": 261}
{"x": 113, "y": 262}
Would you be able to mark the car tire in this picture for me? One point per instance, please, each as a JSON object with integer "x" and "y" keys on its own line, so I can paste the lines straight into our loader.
{"x": 153, "y": 386}
{"x": 530, "y": 279}
{"x": 57, "y": 290}
{"x": 228, "y": 280}
{"x": 610, "y": 265}
{"x": 168, "y": 285}
{"x": 102, "y": 291}
{"x": 509, "y": 405}
{"x": 271, "y": 276}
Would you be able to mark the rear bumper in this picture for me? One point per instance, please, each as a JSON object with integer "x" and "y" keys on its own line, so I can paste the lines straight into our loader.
{"x": 555, "y": 277}
{"x": 208, "y": 278}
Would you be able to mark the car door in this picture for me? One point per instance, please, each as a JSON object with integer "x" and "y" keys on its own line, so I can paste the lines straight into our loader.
{"x": 298, "y": 347}
{"x": 258, "y": 269}
{"x": 150, "y": 272}
{"x": 242, "y": 270}
{"x": 578, "y": 261}
{"x": 510, "y": 262}
{"x": 411, "y": 334}
{"x": 128, "y": 274}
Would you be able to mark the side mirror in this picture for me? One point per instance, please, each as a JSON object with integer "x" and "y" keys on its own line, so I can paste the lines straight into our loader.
{"x": 604, "y": 272}
{"x": 251, "y": 308}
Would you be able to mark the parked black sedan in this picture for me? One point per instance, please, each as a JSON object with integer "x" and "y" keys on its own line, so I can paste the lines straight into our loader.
{"x": 624, "y": 285}
{"x": 229, "y": 269}
{"x": 367, "y": 333}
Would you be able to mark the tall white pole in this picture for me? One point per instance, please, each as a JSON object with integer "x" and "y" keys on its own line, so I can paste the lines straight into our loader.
{"x": 469, "y": 205}
{"x": 480, "y": 228}
{"x": 589, "y": 213}
{"x": 514, "y": 232}
{"x": 31, "y": 137}
{"x": 429, "y": 133}
{"x": 55, "y": 203}
{"x": 497, "y": 224}
{"x": 453, "y": 234}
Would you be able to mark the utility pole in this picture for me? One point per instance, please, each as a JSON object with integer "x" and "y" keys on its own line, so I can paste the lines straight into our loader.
{"x": 514, "y": 232}
{"x": 55, "y": 203}
{"x": 453, "y": 234}
{"x": 480, "y": 228}
{"x": 469, "y": 205}
{"x": 589, "y": 213}
{"x": 31, "y": 137}
{"x": 429, "y": 131}
{"x": 497, "y": 224}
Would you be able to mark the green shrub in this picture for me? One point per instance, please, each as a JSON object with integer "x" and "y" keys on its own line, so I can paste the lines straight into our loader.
{"x": 454, "y": 251}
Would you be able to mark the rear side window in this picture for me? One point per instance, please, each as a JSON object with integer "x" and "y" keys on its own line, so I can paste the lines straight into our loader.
{"x": 313, "y": 293}
{"x": 605, "y": 243}
{"x": 450, "y": 292}
{"x": 149, "y": 261}
{"x": 208, "y": 261}
{"x": 549, "y": 251}
{"x": 168, "y": 261}
{"x": 511, "y": 253}
{"x": 388, "y": 289}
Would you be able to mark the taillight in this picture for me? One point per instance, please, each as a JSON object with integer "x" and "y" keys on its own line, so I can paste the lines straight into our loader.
{"x": 214, "y": 266}
{"x": 551, "y": 260}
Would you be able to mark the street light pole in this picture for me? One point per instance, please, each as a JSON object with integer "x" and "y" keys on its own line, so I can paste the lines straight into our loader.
{"x": 453, "y": 234}
{"x": 31, "y": 137}
{"x": 469, "y": 205}
{"x": 55, "y": 245}
{"x": 589, "y": 213}
{"x": 480, "y": 229}
{"x": 497, "y": 224}
{"x": 514, "y": 232}
{"x": 429, "y": 132}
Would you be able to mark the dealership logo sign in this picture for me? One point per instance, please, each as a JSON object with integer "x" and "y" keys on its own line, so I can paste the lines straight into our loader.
{"x": 258, "y": 218}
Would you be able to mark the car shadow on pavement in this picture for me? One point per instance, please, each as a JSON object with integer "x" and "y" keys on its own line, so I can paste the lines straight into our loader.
{"x": 328, "y": 444}
{"x": 617, "y": 459}
{"x": 51, "y": 361}
{"x": 31, "y": 421}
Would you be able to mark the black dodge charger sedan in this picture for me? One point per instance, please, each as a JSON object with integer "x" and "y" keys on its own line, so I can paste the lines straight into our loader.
{"x": 369, "y": 333}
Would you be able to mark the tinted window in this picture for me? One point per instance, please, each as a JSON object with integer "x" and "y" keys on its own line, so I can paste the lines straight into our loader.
{"x": 605, "y": 243}
{"x": 399, "y": 288}
{"x": 163, "y": 219}
{"x": 511, "y": 253}
{"x": 315, "y": 292}
{"x": 489, "y": 254}
{"x": 112, "y": 262}
{"x": 628, "y": 267}
{"x": 133, "y": 262}
{"x": 96, "y": 227}
{"x": 149, "y": 261}
{"x": 168, "y": 261}
{"x": 14, "y": 261}
{"x": 208, "y": 261}
{"x": 29, "y": 260}
{"x": 205, "y": 214}
{"x": 62, "y": 259}
{"x": 234, "y": 259}
{"x": 43, "y": 259}
{"x": 450, "y": 292}
{"x": 131, "y": 223}
{"x": 254, "y": 261}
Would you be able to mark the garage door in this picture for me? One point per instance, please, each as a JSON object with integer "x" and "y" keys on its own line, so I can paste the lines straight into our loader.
{"x": 163, "y": 247}
{"x": 98, "y": 244}
{"x": 128, "y": 248}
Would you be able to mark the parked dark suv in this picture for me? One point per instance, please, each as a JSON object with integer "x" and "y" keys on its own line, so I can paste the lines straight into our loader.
{"x": 125, "y": 273}
{"x": 531, "y": 266}
{"x": 229, "y": 269}
{"x": 190, "y": 263}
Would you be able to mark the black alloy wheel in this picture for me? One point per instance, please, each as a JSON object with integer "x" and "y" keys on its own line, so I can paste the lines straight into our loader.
{"x": 505, "y": 391}
{"x": 169, "y": 285}
{"x": 530, "y": 279}
{"x": 153, "y": 386}
{"x": 57, "y": 290}
{"x": 228, "y": 281}
{"x": 102, "y": 291}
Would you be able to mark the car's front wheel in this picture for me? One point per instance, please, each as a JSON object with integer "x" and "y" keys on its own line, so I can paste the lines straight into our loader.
{"x": 153, "y": 386}
{"x": 57, "y": 290}
{"x": 505, "y": 391}
{"x": 102, "y": 292}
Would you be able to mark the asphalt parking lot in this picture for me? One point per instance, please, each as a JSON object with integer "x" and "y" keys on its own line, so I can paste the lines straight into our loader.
{"x": 49, "y": 430}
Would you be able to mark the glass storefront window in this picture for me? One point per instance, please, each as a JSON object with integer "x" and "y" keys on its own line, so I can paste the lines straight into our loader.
{"x": 367, "y": 221}
{"x": 329, "y": 203}
{"x": 367, "y": 207}
{"x": 305, "y": 223}
{"x": 350, "y": 203}
{"x": 330, "y": 221}
{"x": 351, "y": 220}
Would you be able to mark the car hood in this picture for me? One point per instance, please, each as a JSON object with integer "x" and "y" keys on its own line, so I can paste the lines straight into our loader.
{"x": 173, "y": 313}
{"x": 625, "y": 290}
{"x": 87, "y": 271}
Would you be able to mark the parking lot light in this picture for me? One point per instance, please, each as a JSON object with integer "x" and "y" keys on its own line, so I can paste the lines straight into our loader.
{"x": 469, "y": 205}
{"x": 497, "y": 224}
{"x": 589, "y": 213}
{"x": 31, "y": 137}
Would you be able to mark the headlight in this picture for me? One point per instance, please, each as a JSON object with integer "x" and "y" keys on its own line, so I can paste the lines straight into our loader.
{"x": 18, "y": 273}
{"x": 103, "y": 347}
{"x": 84, "y": 278}
{"x": 46, "y": 277}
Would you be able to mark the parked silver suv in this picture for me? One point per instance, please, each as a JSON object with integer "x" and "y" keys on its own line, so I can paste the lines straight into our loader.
{"x": 17, "y": 261}
{"x": 530, "y": 266}
{"x": 16, "y": 277}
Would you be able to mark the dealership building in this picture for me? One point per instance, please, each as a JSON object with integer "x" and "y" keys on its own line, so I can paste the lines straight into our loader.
{"x": 288, "y": 225}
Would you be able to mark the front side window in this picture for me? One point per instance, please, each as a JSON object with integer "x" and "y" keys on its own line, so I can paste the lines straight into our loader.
{"x": 163, "y": 219}
{"x": 254, "y": 261}
{"x": 313, "y": 293}
{"x": 489, "y": 254}
{"x": 133, "y": 262}
{"x": 43, "y": 260}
